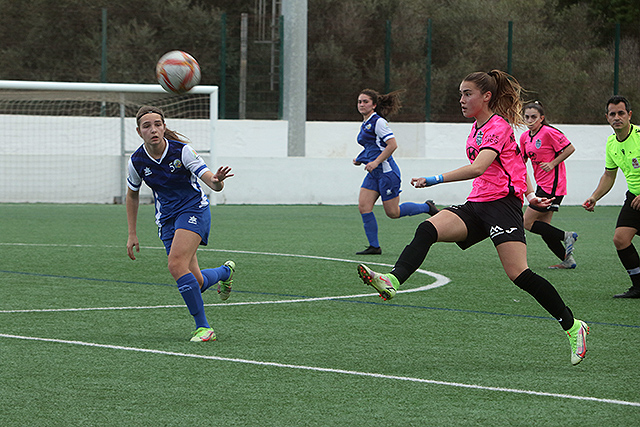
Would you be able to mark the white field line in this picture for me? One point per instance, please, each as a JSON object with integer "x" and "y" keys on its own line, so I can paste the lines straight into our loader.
{"x": 440, "y": 281}
{"x": 330, "y": 370}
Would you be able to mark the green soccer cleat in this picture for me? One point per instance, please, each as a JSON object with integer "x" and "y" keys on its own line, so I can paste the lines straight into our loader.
{"x": 224, "y": 286}
{"x": 203, "y": 335}
{"x": 385, "y": 284}
{"x": 578, "y": 339}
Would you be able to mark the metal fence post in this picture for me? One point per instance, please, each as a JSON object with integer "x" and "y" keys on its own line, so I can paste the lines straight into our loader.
{"x": 222, "y": 98}
{"x": 616, "y": 65}
{"x": 427, "y": 98}
{"x": 510, "y": 48}
{"x": 387, "y": 58}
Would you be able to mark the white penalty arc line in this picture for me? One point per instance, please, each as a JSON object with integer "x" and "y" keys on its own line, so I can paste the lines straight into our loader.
{"x": 440, "y": 281}
{"x": 329, "y": 370}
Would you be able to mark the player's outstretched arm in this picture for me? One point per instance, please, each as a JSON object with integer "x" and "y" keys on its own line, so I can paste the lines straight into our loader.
{"x": 216, "y": 181}
{"x": 605, "y": 185}
{"x": 474, "y": 170}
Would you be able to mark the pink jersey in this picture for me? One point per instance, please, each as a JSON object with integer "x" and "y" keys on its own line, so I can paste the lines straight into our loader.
{"x": 507, "y": 174}
{"x": 543, "y": 147}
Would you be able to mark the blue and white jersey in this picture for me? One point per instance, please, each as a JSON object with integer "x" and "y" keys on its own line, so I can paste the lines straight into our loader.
{"x": 173, "y": 178}
{"x": 373, "y": 135}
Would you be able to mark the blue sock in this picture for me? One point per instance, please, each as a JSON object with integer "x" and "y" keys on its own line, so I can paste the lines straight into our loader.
{"x": 190, "y": 291}
{"x": 410, "y": 208}
{"x": 371, "y": 229}
{"x": 214, "y": 275}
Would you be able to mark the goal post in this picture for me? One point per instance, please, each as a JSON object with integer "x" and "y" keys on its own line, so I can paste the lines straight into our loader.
{"x": 66, "y": 142}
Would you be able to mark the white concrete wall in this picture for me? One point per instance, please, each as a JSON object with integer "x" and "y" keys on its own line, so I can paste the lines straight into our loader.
{"x": 71, "y": 159}
{"x": 327, "y": 175}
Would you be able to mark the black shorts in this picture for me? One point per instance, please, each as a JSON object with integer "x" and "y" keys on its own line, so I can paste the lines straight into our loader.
{"x": 501, "y": 220}
{"x": 629, "y": 217}
{"x": 555, "y": 205}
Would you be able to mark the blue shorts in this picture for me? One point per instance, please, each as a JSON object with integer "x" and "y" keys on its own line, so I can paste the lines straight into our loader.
{"x": 386, "y": 184}
{"x": 198, "y": 221}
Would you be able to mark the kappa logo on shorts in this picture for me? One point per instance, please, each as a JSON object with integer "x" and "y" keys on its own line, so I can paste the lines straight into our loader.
{"x": 193, "y": 220}
{"x": 496, "y": 230}
{"x": 389, "y": 192}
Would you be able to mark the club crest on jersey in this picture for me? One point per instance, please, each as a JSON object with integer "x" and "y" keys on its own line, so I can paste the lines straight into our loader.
{"x": 538, "y": 144}
{"x": 635, "y": 163}
{"x": 367, "y": 126}
{"x": 479, "y": 138}
{"x": 176, "y": 164}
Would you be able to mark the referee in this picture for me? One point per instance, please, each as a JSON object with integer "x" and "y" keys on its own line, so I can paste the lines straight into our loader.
{"x": 623, "y": 151}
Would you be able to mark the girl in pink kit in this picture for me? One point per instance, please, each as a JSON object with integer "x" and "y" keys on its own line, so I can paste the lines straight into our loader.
{"x": 547, "y": 148}
{"x": 494, "y": 207}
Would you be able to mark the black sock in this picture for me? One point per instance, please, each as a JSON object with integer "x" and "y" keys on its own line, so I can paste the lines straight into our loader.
{"x": 631, "y": 262}
{"x": 546, "y": 295}
{"x": 552, "y": 236}
{"x": 415, "y": 252}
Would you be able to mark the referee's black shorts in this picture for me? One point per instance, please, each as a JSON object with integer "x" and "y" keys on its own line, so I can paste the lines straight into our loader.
{"x": 500, "y": 220}
{"x": 629, "y": 217}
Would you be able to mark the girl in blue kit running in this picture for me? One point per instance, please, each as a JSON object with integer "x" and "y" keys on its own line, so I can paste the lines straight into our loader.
{"x": 383, "y": 174}
{"x": 171, "y": 169}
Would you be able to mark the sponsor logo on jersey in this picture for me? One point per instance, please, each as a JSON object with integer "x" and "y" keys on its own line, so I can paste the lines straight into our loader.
{"x": 197, "y": 156}
{"x": 492, "y": 139}
{"x": 472, "y": 153}
{"x": 147, "y": 171}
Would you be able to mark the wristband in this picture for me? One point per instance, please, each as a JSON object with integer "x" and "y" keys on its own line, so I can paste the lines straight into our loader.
{"x": 433, "y": 180}
{"x": 531, "y": 196}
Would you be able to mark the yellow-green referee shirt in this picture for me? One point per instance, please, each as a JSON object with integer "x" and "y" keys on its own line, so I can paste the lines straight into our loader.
{"x": 626, "y": 156}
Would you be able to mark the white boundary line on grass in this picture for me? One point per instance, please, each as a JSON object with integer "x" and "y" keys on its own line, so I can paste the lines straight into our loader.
{"x": 329, "y": 370}
{"x": 440, "y": 281}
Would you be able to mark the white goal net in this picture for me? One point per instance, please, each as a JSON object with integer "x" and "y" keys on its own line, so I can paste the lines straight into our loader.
{"x": 70, "y": 142}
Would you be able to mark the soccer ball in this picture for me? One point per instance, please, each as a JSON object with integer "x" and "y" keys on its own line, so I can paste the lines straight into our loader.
{"x": 177, "y": 71}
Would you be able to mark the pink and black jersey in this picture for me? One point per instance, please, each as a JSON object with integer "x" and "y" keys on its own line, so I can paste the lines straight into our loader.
{"x": 507, "y": 174}
{"x": 544, "y": 147}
